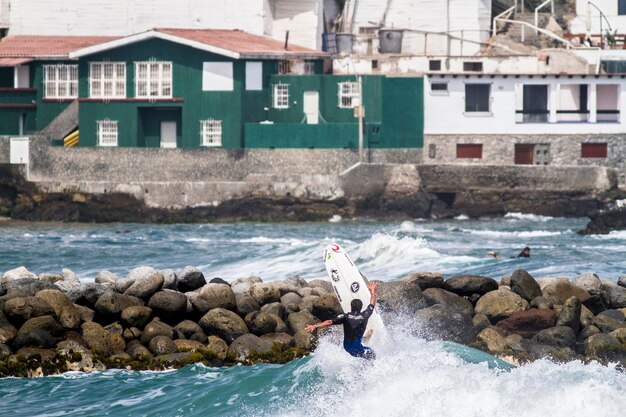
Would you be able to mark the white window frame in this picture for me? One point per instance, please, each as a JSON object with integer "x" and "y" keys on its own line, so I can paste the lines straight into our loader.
{"x": 107, "y": 132}
{"x": 211, "y": 133}
{"x": 280, "y": 96}
{"x": 107, "y": 80}
{"x": 156, "y": 81}
{"x": 60, "y": 81}
{"x": 348, "y": 94}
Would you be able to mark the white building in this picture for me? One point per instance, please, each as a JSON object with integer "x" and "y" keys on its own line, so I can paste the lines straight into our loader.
{"x": 598, "y": 16}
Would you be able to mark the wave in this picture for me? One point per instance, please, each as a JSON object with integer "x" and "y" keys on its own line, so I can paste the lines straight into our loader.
{"x": 523, "y": 234}
{"x": 613, "y": 234}
{"x": 531, "y": 217}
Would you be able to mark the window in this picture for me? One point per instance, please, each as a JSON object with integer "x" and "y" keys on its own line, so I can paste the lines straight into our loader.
{"x": 281, "y": 96}
{"x": 284, "y": 67}
{"x": 473, "y": 151}
{"x": 348, "y": 94}
{"x": 153, "y": 79}
{"x": 477, "y": 98}
{"x": 593, "y": 150}
{"x": 254, "y": 76}
{"x": 309, "y": 67}
{"x": 439, "y": 89}
{"x": 107, "y": 132}
{"x": 434, "y": 65}
{"x": 107, "y": 79}
{"x": 211, "y": 132}
{"x": 473, "y": 66}
{"x": 218, "y": 76}
{"x": 621, "y": 7}
{"x": 60, "y": 81}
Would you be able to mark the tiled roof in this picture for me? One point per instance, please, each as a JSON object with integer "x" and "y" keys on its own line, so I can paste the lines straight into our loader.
{"x": 239, "y": 41}
{"x": 46, "y": 46}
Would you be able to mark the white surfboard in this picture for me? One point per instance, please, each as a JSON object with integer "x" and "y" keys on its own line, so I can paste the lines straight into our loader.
{"x": 349, "y": 284}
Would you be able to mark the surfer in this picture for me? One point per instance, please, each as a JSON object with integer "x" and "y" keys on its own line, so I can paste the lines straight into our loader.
{"x": 354, "y": 324}
{"x": 525, "y": 253}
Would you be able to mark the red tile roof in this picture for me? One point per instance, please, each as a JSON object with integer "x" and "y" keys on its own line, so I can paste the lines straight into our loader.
{"x": 46, "y": 46}
{"x": 239, "y": 41}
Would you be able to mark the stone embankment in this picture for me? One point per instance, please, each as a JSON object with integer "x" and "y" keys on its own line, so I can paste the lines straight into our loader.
{"x": 158, "y": 319}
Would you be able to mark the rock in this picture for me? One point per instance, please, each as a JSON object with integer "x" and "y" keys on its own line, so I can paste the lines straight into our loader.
{"x": 281, "y": 326}
{"x": 505, "y": 281}
{"x": 188, "y": 328}
{"x": 434, "y": 296}
{"x": 88, "y": 294}
{"x": 621, "y": 281}
{"x": 69, "y": 281}
{"x": 303, "y": 339}
{"x": 169, "y": 305}
{"x": 218, "y": 346}
{"x": 183, "y": 345}
{"x": 587, "y": 332}
{"x": 18, "y": 273}
{"x": 97, "y": 338}
{"x": 218, "y": 280}
{"x": 260, "y": 323}
{"x": 308, "y": 291}
{"x": 265, "y": 293}
{"x": 246, "y": 305}
{"x": 466, "y": 285}
{"x": 558, "y": 290}
{"x": 524, "y": 285}
{"x": 280, "y": 338}
{"x": 136, "y": 316}
{"x": 85, "y": 313}
{"x": 608, "y": 324}
{"x": 559, "y": 336}
{"x": 7, "y": 330}
{"x": 67, "y": 314}
{"x": 527, "y": 323}
{"x": 595, "y": 304}
{"x": 223, "y": 323}
{"x": 190, "y": 279}
{"x": 500, "y": 304}
{"x": 21, "y": 309}
{"x": 106, "y": 278}
{"x": 541, "y": 303}
{"x": 494, "y": 341}
{"x": 170, "y": 279}
{"x": 5, "y": 351}
{"x": 586, "y": 316}
{"x": 614, "y": 314}
{"x": 322, "y": 285}
{"x": 425, "y": 280}
{"x": 473, "y": 299}
{"x": 146, "y": 286}
{"x": 297, "y": 281}
{"x": 570, "y": 314}
{"x": 274, "y": 308}
{"x": 248, "y": 343}
{"x": 399, "y": 297}
{"x": 50, "y": 277}
{"x": 137, "y": 351}
{"x": 285, "y": 288}
{"x": 589, "y": 282}
{"x": 215, "y": 296}
{"x": 243, "y": 285}
{"x": 480, "y": 322}
{"x": 440, "y": 322}
{"x": 299, "y": 320}
{"x": 307, "y": 303}
{"x": 162, "y": 345}
{"x": 157, "y": 328}
{"x": 131, "y": 334}
{"x": 291, "y": 302}
{"x": 326, "y": 307}
{"x": 25, "y": 287}
{"x": 118, "y": 344}
{"x": 613, "y": 295}
{"x": 111, "y": 304}
{"x": 604, "y": 346}
{"x": 619, "y": 334}
{"x": 39, "y": 331}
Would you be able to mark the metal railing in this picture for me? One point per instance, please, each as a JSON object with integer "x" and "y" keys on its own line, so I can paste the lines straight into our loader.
{"x": 541, "y": 6}
{"x": 549, "y": 34}
{"x": 505, "y": 15}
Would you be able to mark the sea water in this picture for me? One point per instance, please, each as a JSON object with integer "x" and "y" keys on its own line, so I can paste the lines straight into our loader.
{"x": 411, "y": 377}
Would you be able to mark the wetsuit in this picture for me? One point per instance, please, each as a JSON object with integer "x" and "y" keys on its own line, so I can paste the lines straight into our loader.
{"x": 353, "y": 329}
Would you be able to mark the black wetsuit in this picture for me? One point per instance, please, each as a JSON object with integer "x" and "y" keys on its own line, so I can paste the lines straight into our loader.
{"x": 353, "y": 329}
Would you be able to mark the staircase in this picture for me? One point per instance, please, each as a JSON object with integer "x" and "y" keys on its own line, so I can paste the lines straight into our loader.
{"x": 524, "y": 34}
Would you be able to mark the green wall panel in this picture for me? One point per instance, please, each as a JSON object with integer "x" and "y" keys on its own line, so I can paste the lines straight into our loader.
{"x": 10, "y": 121}
{"x": 403, "y": 113}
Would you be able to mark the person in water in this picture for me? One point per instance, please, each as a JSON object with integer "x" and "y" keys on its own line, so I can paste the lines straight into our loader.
{"x": 354, "y": 324}
{"x": 525, "y": 253}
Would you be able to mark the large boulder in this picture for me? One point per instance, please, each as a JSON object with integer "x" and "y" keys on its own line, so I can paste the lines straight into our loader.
{"x": 570, "y": 314}
{"x": 621, "y": 281}
{"x": 303, "y": 339}
{"x": 215, "y": 296}
{"x": 110, "y": 305}
{"x": 157, "y": 328}
{"x": 440, "y": 322}
{"x": 322, "y": 285}
{"x": 291, "y": 302}
{"x": 223, "y": 323}
{"x": 619, "y": 334}
{"x": 589, "y": 282}
{"x": 136, "y": 316}
{"x": 524, "y": 285}
{"x": 16, "y": 274}
{"x": 21, "y": 309}
{"x": 595, "y": 303}
{"x": 434, "y": 296}
{"x": 88, "y": 293}
{"x": 246, "y": 304}
{"x": 190, "y": 279}
{"x": 559, "y": 336}
{"x": 265, "y": 293}
{"x": 189, "y": 329}
{"x": 217, "y": 346}
{"x": 137, "y": 351}
{"x": 24, "y": 287}
{"x": 326, "y": 307}
{"x": 285, "y": 287}
{"x": 69, "y": 281}
{"x": 38, "y": 332}
{"x": 608, "y": 324}
{"x": 274, "y": 308}
{"x": 604, "y": 346}
{"x": 162, "y": 345}
{"x": 247, "y": 344}
{"x": 466, "y": 285}
{"x": 541, "y": 303}
{"x": 527, "y": 323}
{"x": 402, "y": 297}
{"x": 67, "y": 314}
{"x": 614, "y": 296}
{"x": 261, "y": 323}
{"x": 97, "y": 338}
{"x": 500, "y": 304}
{"x": 170, "y": 279}
{"x": 559, "y": 289}
{"x": 145, "y": 286}
{"x": 7, "y": 330}
{"x": 297, "y": 281}
{"x": 299, "y": 320}
{"x": 169, "y": 305}
{"x": 491, "y": 338}
{"x": 243, "y": 285}
{"x": 106, "y": 278}
{"x": 280, "y": 338}
{"x": 425, "y": 280}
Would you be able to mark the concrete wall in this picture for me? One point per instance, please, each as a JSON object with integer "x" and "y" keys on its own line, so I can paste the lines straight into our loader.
{"x": 5, "y": 149}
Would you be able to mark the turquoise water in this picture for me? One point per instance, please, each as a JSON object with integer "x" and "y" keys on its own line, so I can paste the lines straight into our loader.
{"x": 411, "y": 377}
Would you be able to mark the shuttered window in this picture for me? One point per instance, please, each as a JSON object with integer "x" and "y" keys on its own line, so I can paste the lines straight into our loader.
{"x": 465, "y": 150}
{"x": 477, "y": 98}
{"x": 593, "y": 150}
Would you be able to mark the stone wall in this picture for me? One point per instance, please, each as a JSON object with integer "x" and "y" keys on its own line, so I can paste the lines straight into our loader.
{"x": 5, "y": 149}
{"x": 500, "y": 150}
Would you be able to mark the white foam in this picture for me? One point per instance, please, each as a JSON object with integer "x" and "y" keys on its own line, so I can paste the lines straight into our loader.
{"x": 614, "y": 234}
{"x": 335, "y": 219}
{"x": 462, "y": 217}
{"x": 532, "y": 217}
{"x": 522, "y": 234}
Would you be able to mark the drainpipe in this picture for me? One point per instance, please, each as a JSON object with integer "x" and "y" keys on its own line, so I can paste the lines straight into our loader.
{"x": 448, "y": 27}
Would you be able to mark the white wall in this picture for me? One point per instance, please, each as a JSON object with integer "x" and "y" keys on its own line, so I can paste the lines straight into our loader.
{"x": 4, "y": 13}
{"x": 303, "y": 20}
{"x": 608, "y": 7}
{"x": 444, "y": 114}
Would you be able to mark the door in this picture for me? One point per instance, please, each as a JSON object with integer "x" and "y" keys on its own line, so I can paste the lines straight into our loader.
{"x": 536, "y": 103}
{"x": 311, "y": 107}
{"x": 168, "y": 134}
{"x": 524, "y": 154}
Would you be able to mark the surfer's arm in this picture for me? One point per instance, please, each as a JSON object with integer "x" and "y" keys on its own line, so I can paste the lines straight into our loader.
{"x": 313, "y": 327}
{"x": 372, "y": 287}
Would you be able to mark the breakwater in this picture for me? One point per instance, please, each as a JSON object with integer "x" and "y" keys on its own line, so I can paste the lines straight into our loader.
{"x": 154, "y": 319}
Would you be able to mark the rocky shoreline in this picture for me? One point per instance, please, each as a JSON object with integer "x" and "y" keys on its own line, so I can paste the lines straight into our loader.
{"x": 53, "y": 323}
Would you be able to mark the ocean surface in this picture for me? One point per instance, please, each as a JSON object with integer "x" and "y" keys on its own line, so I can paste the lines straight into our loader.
{"x": 411, "y": 377}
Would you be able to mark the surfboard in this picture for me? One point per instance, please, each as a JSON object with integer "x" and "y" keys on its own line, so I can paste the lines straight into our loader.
{"x": 350, "y": 284}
